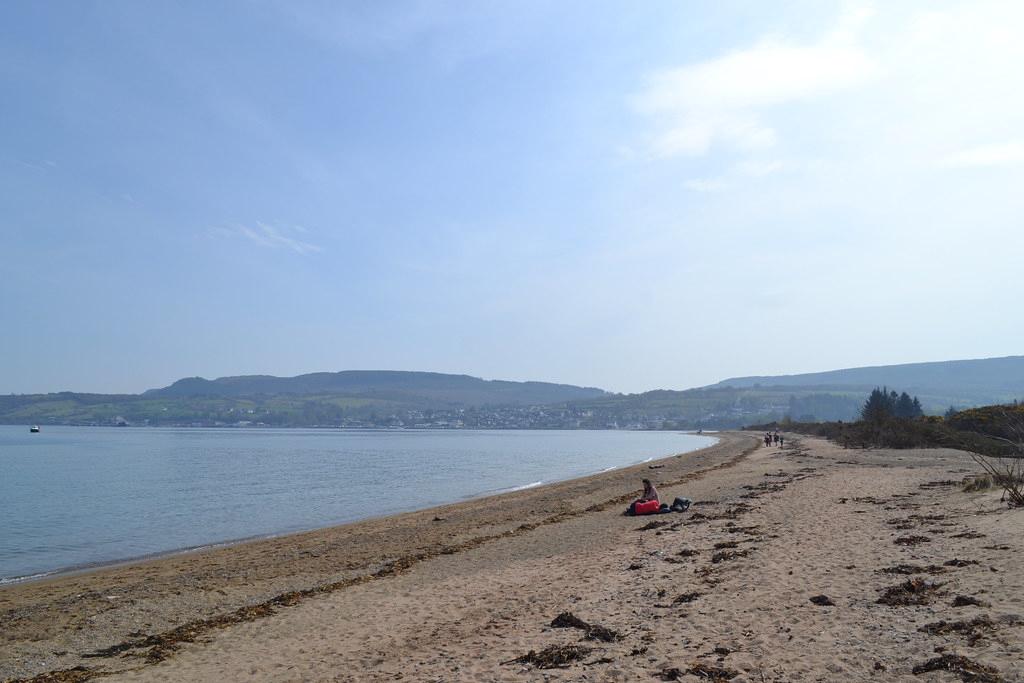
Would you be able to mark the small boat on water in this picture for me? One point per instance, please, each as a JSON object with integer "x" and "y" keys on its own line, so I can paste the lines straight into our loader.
{"x": 34, "y": 429}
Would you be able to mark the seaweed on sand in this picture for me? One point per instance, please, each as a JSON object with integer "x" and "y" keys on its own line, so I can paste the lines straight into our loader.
{"x": 77, "y": 674}
{"x": 915, "y": 591}
{"x": 907, "y": 569}
{"x": 967, "y": 600}
{"x": 914, "y": 520}
{"x": 685, "y": 598}
{"x": 957, "y": 562}
{"x": 968, "y": 534}
{"x": 602, "y": 633}
{"x": 870, "y": 500}
{"x": 703, "y": 671}
{"x": 712, "y": 673}
{"x": 569, "y": 620}
{"x": 732, "y": 512}
{"x": 591, "y": 631}
{"x": 723, "y": 555}
{"x": 969, "y": 671}
{"x": 912, "y": 540}
{"x": 553, "y": 656}
{"x": 939, "y": 484}
{"x": 652, "y": 525}
{"x": 974, "y": 630}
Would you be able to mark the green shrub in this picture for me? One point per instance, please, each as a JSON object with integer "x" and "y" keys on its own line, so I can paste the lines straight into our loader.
{"x": 981, "y": 482}
{"x": 924, "y": 432}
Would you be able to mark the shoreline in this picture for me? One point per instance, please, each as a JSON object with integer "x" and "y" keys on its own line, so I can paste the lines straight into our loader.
{"x": 808, "y": 562}
{"x": 77, "y": 570}
{"x": 75, "y": 614}
{"x": 694, "y": 432}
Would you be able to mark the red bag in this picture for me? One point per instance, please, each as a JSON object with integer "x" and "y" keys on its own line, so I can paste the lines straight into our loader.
{"x": 648, "y": 507}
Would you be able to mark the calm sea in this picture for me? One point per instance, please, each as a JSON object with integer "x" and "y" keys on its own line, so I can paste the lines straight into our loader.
{"x": 82, "y": 496}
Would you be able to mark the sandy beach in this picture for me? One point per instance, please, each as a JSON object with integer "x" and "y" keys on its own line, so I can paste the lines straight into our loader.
{"x": 469, "y": 591}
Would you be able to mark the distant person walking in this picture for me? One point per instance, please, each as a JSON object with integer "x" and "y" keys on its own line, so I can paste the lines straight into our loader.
{"x": 782, "y": 441}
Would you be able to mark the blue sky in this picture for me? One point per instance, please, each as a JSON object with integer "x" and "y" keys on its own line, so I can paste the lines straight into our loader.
{"x": 627, "y": 195}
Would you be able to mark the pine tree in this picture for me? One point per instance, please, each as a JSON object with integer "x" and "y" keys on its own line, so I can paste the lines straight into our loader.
{"x": 884, "y": 404}
{"x": 904, "y": 406}
{"x": 878, "y": 407}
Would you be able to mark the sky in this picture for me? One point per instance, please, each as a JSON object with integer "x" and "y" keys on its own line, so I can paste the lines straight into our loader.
{"x": 624, "y": 195}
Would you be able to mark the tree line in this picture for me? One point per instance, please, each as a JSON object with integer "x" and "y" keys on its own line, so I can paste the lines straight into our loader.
{"x": 884, "y": 404}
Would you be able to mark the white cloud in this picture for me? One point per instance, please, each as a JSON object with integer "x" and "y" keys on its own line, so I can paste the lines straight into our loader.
{"x": 721, "y": 100}
{"x": 706, "y": 185}
{"x": 750, "y": 168}
{"x": 758, "y": 168}
{"x": 43, "y": 165}
{"x": 275, "y": 238}
{"x": 1004, "y": 154}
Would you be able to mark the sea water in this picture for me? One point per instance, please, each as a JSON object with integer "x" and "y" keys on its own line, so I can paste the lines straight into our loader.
{"x": 73, "y": 497}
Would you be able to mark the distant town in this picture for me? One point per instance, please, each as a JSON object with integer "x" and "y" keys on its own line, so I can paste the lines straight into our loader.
{"x": 423, "y": 400}
{"x": 504, "y": 417}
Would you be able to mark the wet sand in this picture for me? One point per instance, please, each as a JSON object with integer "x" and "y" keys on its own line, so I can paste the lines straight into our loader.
{"x": 461, "y": 592}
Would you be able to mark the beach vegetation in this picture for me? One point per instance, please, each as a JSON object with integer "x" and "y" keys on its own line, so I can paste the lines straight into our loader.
{"x": 993, "y": 436}
{"x": 926, "y": 432}
{"x": 982, "y": 482}
{"x": 1004, "y": 425}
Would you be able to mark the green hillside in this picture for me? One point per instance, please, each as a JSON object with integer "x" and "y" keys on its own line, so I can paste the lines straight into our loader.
{"x": 352, "y": 398}
{"x": 425, "y": 399}
{"x": 940, "y": 384}
{"x": 420, "y": 388}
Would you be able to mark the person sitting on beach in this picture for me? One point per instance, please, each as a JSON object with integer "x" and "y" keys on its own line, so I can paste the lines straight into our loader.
{"x": 649, "y": 493}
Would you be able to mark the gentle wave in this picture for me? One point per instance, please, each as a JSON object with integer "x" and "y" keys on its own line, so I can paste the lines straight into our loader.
{"x": 507, "y": 489}
{"x": 531, "y": 485}
{"x": 19, "y": 579}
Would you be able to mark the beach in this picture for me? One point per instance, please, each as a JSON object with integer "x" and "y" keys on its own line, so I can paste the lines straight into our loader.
{"x": 468, "y": 591}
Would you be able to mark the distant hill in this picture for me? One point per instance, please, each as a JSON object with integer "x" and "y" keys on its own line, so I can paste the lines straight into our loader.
{"x": 365, "y": 398}
{"x": 964, "y": 382}
{"x": 354, "y": 398}
{"x": 834, "y": 395}
{"x": 413, "y": 387}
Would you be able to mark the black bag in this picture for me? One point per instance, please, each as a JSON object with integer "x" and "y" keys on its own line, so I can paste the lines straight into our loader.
{"x": 681, "y": 504}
